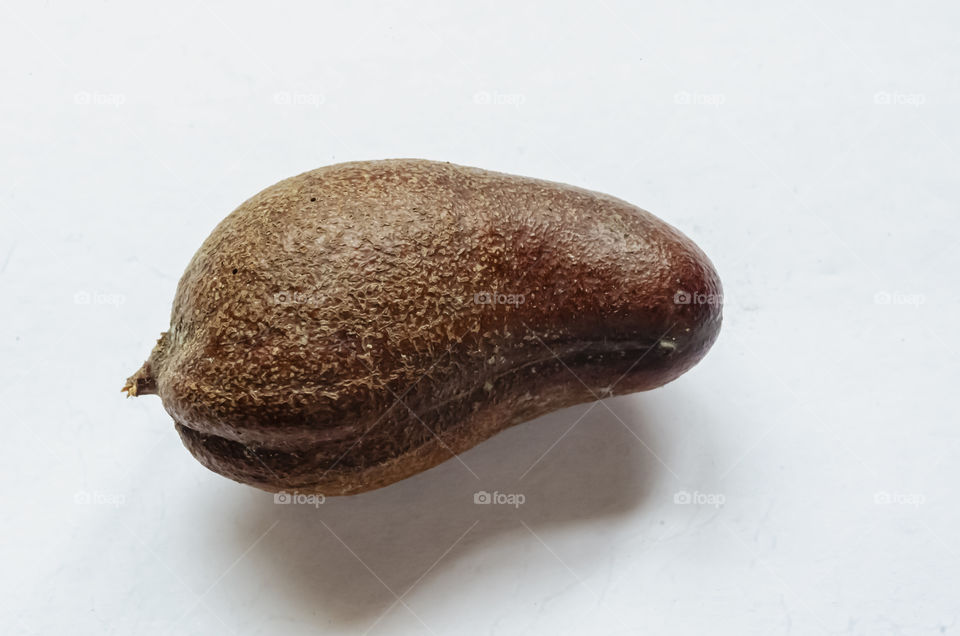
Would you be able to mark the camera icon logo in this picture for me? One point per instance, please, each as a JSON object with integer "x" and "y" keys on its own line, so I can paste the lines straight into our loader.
{"x": 682, "y": 298}
{"x": 482, "y": 497}
{"x": 882, "y": 298}
{"x": 282, "y": 498}
{"x": 682, "y": 497}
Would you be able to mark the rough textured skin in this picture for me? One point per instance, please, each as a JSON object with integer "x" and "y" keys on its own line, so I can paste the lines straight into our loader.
{"x": 331, "y": 334}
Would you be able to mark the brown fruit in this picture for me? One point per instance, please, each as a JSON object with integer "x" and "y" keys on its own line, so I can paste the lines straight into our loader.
{"x": 360, "y": 323}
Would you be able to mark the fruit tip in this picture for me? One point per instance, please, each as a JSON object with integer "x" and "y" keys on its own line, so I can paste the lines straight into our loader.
{"x": 140, "y": 383}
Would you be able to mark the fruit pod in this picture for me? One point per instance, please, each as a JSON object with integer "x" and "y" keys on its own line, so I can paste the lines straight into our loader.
{"x": 357, "y": 324}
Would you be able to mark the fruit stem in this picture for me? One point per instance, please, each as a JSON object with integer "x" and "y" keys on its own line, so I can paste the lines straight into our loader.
{"x": 141, "y": 383}
{"x": 144, "y": 382}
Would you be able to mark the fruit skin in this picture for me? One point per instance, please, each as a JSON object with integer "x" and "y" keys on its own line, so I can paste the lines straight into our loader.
{"x": 332, "y": 334}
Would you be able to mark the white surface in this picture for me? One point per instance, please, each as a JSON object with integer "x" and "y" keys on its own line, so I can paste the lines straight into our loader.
{"x": 811, "y": 149}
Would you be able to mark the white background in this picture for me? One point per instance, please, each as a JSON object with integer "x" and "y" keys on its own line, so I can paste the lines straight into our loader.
{"x": 811, "y": 149}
